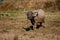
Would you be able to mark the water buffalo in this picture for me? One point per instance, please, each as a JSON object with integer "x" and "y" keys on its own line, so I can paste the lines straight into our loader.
{"x": 36, "y": 17}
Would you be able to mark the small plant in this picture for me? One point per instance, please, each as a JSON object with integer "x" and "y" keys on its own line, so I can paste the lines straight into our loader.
{"x": 1, "y": 14}
{"x": 5, "y": 30}
{"x": 48, "y": 4}
{"x": 58, "y": 4}
{"x": 16, "y": 37}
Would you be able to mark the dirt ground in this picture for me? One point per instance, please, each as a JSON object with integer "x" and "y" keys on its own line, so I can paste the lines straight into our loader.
{"x": 11, "y": 27}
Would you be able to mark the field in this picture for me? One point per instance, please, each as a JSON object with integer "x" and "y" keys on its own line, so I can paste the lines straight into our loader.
{"x": 12, "y": 23}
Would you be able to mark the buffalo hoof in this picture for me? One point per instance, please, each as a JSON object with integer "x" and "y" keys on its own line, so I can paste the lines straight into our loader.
{"x": 31, "y": 27}
{"x": 27, "y": 29}
{"x": 38, "y": 26}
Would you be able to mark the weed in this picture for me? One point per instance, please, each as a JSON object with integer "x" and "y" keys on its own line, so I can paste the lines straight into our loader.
{"x": 16, "y": 37}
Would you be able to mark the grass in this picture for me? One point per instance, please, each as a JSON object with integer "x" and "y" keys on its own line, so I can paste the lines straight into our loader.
{"x": 14, "y": 21}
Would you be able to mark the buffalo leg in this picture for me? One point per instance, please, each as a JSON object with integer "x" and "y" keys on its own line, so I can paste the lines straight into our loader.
{"x": 32, "y": 22}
